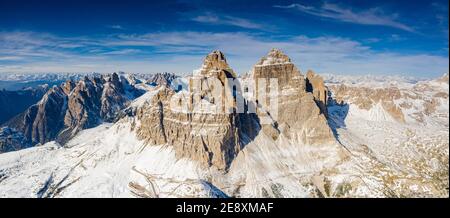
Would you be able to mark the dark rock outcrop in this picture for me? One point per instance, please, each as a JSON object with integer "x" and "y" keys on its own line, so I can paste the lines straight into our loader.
{"x": 66, "y": 109}
{"x": 316, "y": 85}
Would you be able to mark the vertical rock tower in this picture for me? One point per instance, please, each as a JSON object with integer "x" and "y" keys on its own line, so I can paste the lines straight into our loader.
{"x": 212, "y": 131}
{"x": 299, "y": 118}
{"x": 211, "y": 137}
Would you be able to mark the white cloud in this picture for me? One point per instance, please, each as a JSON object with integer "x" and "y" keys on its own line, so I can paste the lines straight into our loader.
{"x": 181, "y": 52}
{"x": 395, "y": 38}
{"x": 117, "y": 27}
{"x": 122, "y": 52}
{"x": 29, "y": 45}
{"x": 373, "y": 16}
{"x": 215, "y": 19}
{"x": 10, "y": 58}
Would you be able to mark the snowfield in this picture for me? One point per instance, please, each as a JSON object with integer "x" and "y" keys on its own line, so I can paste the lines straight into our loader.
{"x": 105, "y": 161}
{"x": 374, "y": 156}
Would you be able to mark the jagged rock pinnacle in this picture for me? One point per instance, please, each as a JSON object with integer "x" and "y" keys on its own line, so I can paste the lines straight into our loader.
{"x": 315, "y": 85}
{"x": 215, "y": 64}
{"x": 215, "y": 61}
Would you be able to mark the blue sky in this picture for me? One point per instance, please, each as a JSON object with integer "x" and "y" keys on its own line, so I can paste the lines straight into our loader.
{"x": 343, "y": 37}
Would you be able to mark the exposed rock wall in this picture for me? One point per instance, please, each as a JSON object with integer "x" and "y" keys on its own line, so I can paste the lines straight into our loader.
{"x": 315, "y": 85}
{"x": 215, "y": 137}
{"x": 298, "y": 116}
{"x": 211, "y": 138}
{"x": 366, "y": 98}
{"x": 406, "y": 103}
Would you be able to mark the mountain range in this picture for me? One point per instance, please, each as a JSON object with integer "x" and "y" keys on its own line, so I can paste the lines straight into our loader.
{"x": 273, "y": 132}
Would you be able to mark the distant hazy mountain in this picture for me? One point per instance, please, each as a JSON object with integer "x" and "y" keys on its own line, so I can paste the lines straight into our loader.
{"x": 18, "y": 81}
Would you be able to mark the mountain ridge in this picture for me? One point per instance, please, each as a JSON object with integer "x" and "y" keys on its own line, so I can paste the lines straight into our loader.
{"x": 304, "y": 151}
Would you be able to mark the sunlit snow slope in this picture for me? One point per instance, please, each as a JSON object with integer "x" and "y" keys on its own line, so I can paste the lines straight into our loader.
{"x": 381, "y": 151}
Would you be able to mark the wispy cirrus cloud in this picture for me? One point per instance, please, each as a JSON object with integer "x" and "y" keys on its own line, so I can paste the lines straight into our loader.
{"x": 117, "y": 27}
{"x": 10, "y": 58}
{"x": 372, "y": 16}
{"x": 122, "y": 52}
{"x": 216, "y": 19}
{"x": 183, "y": 51}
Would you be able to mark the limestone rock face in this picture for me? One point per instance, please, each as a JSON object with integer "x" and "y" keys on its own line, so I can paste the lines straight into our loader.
{"x": 215, "y": 61}
{"x": 208, "y": 131}
{"x": 206, "y": 123}
{"x": 278, "y": 65}
{"x": 298, "y": 116}
{"x": 407, "y": 103}
{"x": 80, "y": 104}
{"x": 41, "y": 122}
{"x": 209, "y": 124}
{"x": 315, "y": 85}
{"x": 367, "y": 98}
{"x": 213, "y": 82}
{"x": 210, "y": 139}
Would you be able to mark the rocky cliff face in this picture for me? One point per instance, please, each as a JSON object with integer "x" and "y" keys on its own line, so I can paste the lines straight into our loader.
{"x": 298, "y": 116}
{"x": 315, "y": 85}
{"x": 402, "y": 102}
{"x": 210, "y": 125}
{"x": 204, "y": 131}
{"x": 72, "y": 106}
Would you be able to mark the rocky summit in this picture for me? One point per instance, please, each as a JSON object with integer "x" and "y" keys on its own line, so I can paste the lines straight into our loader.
{"x": 300, "y": 114}
{"x": 206, "y": 129}
{"x": 213, "y": 129}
